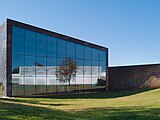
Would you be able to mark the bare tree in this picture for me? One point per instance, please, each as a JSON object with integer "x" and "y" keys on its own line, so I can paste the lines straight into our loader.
{"x": 66, "y": 71}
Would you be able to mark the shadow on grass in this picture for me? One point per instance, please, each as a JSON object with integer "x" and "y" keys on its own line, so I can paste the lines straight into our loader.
{"x": 122, "y": 113}
{"x": 96, "y": 95}
{"x": 17, "y": 111}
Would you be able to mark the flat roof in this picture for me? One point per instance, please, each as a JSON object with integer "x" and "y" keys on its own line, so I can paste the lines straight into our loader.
{"x": 140, "y": 65}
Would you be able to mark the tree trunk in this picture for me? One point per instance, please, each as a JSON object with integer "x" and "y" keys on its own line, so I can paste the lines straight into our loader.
{"x": 69, "y": 86}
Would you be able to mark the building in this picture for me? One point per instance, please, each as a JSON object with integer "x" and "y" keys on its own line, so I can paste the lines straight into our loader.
{"x": 30, "y": 57}
{"x": 134, "y": 77}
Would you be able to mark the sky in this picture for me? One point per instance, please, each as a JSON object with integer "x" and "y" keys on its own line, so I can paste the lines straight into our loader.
{"x": 130, "y": 29}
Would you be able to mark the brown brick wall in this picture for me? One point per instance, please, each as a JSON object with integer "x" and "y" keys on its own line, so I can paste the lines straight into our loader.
{"x": 134, "y": 77}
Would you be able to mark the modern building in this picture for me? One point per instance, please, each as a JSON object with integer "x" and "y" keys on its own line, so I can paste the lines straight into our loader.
{"x": 30, "y": 58}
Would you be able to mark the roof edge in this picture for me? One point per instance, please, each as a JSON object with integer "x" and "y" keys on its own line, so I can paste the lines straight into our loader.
{"x": 55, "y": 34}
{"x": 140, "y": 65}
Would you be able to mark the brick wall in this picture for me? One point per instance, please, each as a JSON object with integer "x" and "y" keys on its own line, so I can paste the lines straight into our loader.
{"x": 134, "y": 77}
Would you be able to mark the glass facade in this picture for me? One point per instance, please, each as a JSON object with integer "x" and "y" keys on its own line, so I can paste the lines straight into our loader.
{"x": 36, "y": 58}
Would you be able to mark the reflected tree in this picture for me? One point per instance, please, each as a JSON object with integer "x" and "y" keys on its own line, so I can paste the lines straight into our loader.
{"x": 66, "y": 71}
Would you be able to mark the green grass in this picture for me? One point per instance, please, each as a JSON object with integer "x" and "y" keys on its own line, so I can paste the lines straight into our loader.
{"x": 124, "y": 105}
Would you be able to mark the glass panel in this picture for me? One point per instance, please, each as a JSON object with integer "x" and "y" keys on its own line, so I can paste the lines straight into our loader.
{"x": 79, "y": 51}
{"x": 73, "y": 80}
{"x": 61, "y": 85}
{"x": 51, "y": 75}
{"x": 102, "y": 75}
{"x": 95, "y": 54}
{"x": 64, "y": 84}
{"x": 103, "y": 55}
{"x": 51, "y": 46}
{"x": 40, "y": 75}
{"x": 71, "y": 50}
{"x": 87, "y": 75}
{"x": 95, "y": 69}
{"x": 40, "y": 66}
{"x": 29, "y": 71}
{"x": 17, "y": 75}
{"x": 79, "y": 76}
{"x": 17, "y": 40}
{"x": 61, "y": 47}
{"x": 40, "y": 45}
{"x": 30, "y": 42}
{"x": 87, "y": 53}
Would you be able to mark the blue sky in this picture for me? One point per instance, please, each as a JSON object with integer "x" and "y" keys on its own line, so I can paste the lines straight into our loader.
{"x": 129, "y": 28}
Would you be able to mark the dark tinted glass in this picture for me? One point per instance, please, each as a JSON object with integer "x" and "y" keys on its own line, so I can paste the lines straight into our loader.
{"x": 102, "y": 55}
{"x": 30, "y": 67}
{"x": 95, "y": 54}
{"x": 17, "y": 40}
{"x": 87, "y": 53}
{"x": 17, "y": 64}
{"x": 51, "y": 75}
{"x": 87, "y": 75}
{"x": 40, "y": 44}
{"x": 79, "y": 51}
{"x": 36, "y": 58}
{"x": 71, "y": 49}
{"x": 51, "y": 46}
{"x": 61, "y": 47}
{"x": 17, "y": 75}
{"x": 30, "y": 42}
{"x": 51, "y": 66}
{"x": 79, "y": 76}
{"x": 30, "y": 75}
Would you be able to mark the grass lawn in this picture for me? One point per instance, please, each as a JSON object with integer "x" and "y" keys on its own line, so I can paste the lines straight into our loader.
{"x": 124, "y": 105}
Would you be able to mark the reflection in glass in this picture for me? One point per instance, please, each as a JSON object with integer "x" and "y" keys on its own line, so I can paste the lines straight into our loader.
{"x": 95, "y": 54}
{"x": 95, "y": 69}
{"x": 61, "y": 47}
{"x": 102, "y": 55}
{"x": 51, "y": 46}
{"x": 17, "y": 75}
{"x": 87, "y": 75}
{"x": 51, "y": 75}
{"x": 40, "y": 44}
{"x": 79, "y": 76}
{"x": 40, "y": 75}
{"x": 102, "y": 75}
{"x": 61, "y": 86}
{"x": 30, "y": 76}
{"x": 71, "y": 48}
{"x": 36, "y": 58}
{"x": 87, "y": 52}
{"x": 79, "y": 51}
{"x": 30, "y": 42}
{"x": 66, "y": 74}
{"x": 17, "y": 40}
